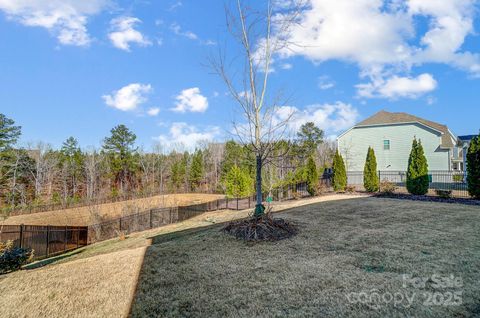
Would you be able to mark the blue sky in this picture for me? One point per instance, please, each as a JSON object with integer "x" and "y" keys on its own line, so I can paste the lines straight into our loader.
{"x": 70, "y": 68}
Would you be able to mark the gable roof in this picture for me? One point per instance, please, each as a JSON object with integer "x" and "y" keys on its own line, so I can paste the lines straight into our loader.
{"x": 384, "y": 117}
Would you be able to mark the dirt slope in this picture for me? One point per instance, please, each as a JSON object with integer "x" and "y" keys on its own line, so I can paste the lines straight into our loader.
{"x": 86, "y": 215}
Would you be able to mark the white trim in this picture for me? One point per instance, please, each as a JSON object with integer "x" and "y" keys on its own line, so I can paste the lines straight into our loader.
{"x": 346, "y": 131}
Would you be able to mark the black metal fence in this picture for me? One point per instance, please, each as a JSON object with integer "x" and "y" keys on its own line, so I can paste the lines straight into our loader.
{"x": 49, "y": 241}
{"x": 154, "y": 218}
{"x": 453, "y": 181}
{"x": 46, "y": 241}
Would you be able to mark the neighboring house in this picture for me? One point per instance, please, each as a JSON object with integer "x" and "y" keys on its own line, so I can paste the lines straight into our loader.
{"x": 391, "y": 136}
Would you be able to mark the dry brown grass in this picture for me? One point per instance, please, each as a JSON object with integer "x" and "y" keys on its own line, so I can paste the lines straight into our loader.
{"x": 97, "y": 286}
{"x": 86, "y": 215}
{"x": 343, "y": 246}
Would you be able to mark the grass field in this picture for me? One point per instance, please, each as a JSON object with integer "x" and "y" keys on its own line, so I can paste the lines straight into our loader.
{"x": 344, "y": 248}
{"x": 86, "y": 215}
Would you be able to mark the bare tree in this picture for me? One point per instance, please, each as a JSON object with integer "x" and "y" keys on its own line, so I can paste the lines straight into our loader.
{"x": 92, "y": 172}
{"x": 213, "y": 161}
{"x": 346, "y": 149}
{"x": 45, "y": 170}
{"x": 325, "y": 153}
{"x": 17, "y": 176}
{"x": 160, "y": 165}
{"x": 260, "y": 35}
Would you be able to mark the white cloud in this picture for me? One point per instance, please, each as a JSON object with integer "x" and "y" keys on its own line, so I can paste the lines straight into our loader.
{"x": 123, "y": 33}
{"x": 209, "y": 42}
{"x": 177, "y": 29}
{"x": 356, "y": 31}
{"x": 129, "y": 97}
{"x": 65, "y": 19}
{"x": 154, "y": 111}
{"x": 329, "y": 117}
{"x": 286, "y": 66}
{"x": 451, "y": 21}
{"x": 187, "y": 136}
{"x": 191, "y": 100}
{"x": 324, "y": 82}
{"x": 175, "y": 6}
{"x": 397, "y": 87}
{"x": 383, "y": 37}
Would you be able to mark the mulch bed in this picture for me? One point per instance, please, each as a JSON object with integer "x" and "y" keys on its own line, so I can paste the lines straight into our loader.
{"x": 263, "y": 228}
{"x": 429, "y": 198}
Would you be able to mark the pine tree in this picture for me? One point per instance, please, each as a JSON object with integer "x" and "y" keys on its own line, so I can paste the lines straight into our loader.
{"x": 238, "y": 182}
{"x": 9, "y": 133}
{"x": 311, "y": 176}
{"x": 339, "y": 178}
{"x": 71, "y": 160}
{"x": 176, "y": 176}
{"x": 121, "y": 153}
{"x": 370, "y": 177}
{"x": 417, "y": 174}
{"x": 196, "y": 170}
{"x": 310, "y": 137}
{"x": 473, "y": 168}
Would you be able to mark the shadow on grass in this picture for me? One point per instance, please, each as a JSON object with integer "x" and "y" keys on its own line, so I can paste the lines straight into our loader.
{"x": 54, "y": 259}
{"x": 167, "y": 237}
{"x": 150, "y": 260}
{"x": 344, "y": 246}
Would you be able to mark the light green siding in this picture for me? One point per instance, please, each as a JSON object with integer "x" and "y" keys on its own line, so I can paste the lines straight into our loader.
{"x": 353, "y": 146}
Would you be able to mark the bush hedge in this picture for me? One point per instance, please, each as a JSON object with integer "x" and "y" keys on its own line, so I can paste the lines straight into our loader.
{"x": 417, "y": 173}
{"x": 12, "y": 258}
{"x": 473, "y": 168}
{"x": 339, "y": 178}
{"x": 370, "y": 176}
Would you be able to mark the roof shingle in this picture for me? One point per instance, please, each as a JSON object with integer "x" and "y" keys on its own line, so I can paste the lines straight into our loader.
{"x": 384, "y": 117}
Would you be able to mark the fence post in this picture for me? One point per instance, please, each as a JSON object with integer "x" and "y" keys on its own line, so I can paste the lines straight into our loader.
{"x": 78, "y": 235}
{"x": 151, "y": 212}
{"x": 65, "y": 239}
{"x": 237, "y": 203}
{"x": 120, "y": 223}
{"x": 379, "y": 179}
{"x": 48, "y": 240}
{"x": 21, "y": 235}
{"x": 249, "y": 197}
{"x": 226, "y": 203}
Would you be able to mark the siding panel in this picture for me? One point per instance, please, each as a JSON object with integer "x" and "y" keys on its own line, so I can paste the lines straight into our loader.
{"x": 354, "y": 144}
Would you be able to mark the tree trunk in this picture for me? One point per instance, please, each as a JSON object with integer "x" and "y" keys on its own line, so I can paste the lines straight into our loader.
{"x": 259, "y": 208}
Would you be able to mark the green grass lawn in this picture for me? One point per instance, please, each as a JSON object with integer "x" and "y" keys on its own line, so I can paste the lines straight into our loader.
{"x": 345, "y": 249}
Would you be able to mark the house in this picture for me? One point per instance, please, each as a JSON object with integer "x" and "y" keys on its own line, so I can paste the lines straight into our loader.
{"x": 391, "y": 136}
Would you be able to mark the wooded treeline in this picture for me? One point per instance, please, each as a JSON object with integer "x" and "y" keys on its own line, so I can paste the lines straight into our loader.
{"x": 38, "y": 174}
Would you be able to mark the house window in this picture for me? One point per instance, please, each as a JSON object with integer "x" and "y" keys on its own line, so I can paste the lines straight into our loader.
{"x": 386, "y": 145}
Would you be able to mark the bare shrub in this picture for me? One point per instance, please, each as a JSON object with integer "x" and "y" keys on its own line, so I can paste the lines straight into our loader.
{"x": 444, "y": 194}
{"x": 96, "y": 219}
{"x": 262, "y": 228}
{"x": 387, "y": 187}
{"x": 350, "y": 189}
